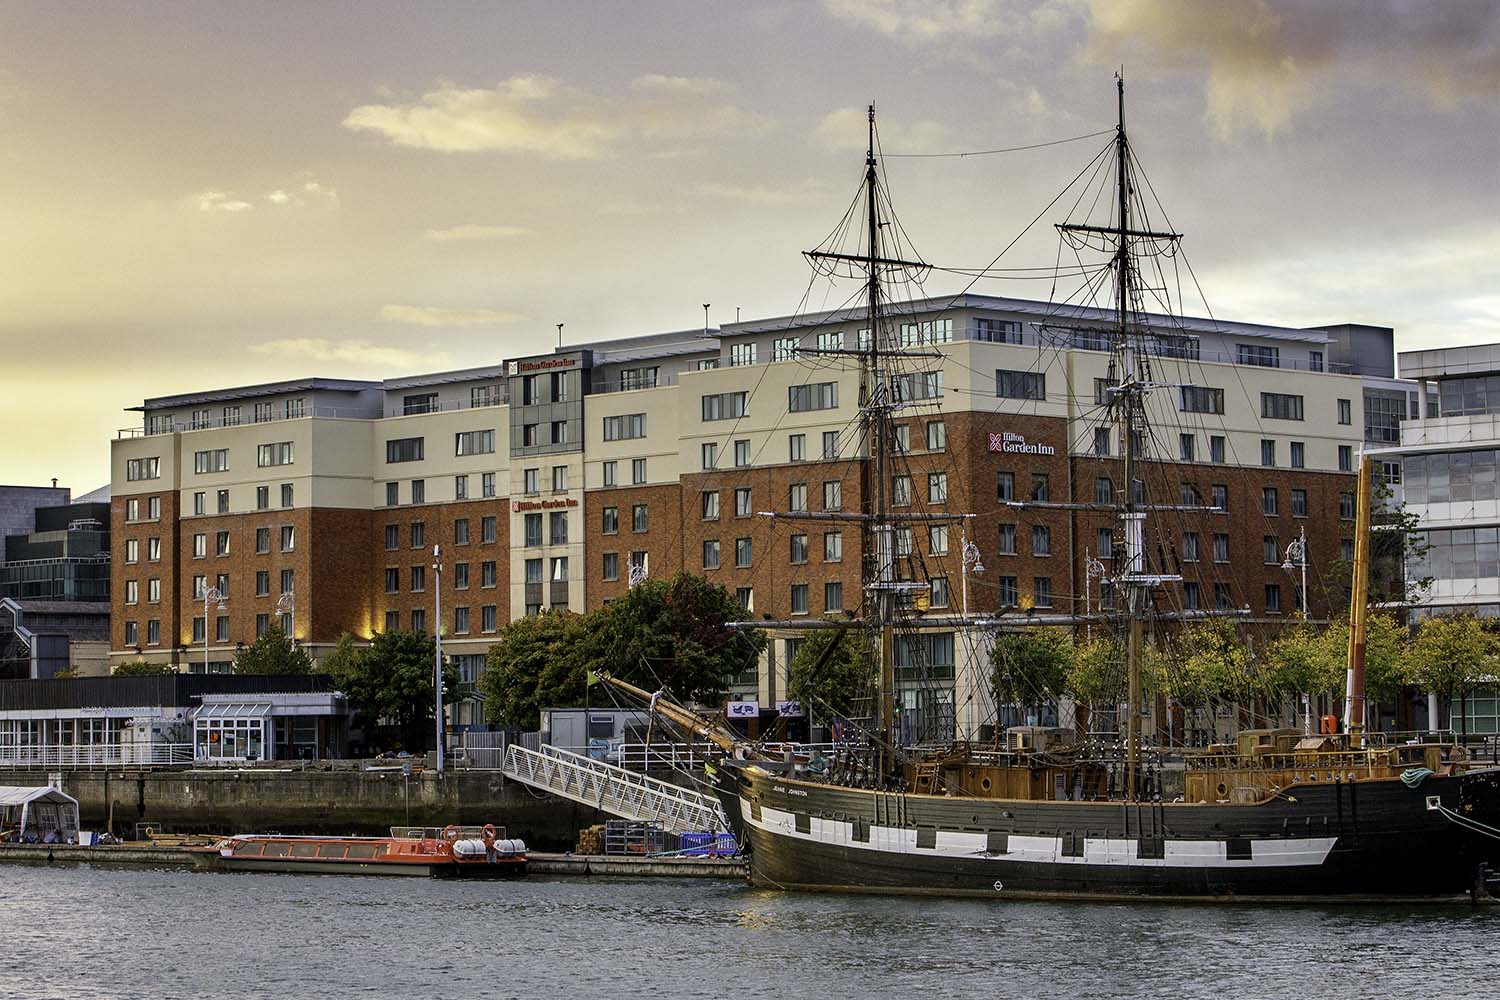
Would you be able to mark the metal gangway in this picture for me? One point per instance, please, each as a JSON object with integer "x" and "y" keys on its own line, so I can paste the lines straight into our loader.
{"x": 614, "y": 790}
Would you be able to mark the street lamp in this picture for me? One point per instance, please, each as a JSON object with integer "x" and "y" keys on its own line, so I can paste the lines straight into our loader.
{"x": 210, "y": 596}
{"x": 971, "y": 561}
{"x": 437, "y": 610}
{"x": 1296, "y": 557}
{"x": 286, "y": 606}
{"x": 1092, "y": 569}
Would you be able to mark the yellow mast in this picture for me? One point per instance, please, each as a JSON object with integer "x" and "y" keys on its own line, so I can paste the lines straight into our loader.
{"x": 1359, "y": 599}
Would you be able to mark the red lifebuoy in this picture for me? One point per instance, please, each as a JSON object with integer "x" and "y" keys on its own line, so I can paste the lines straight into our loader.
{"x": 488, "y": 833}
{"x": 450, "y": 833}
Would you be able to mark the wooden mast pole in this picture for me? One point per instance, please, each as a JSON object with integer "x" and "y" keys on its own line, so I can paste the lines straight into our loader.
{"x": 1359, "y": 598}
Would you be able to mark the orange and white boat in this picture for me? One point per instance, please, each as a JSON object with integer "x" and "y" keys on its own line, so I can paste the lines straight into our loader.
{"x": 454, "y": 851}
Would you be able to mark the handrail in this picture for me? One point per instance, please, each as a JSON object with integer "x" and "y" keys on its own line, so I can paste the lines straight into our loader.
{"x": 78, "y": 756}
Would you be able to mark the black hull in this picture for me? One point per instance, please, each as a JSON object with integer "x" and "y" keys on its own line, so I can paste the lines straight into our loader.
{"x": 1349, "y": 841}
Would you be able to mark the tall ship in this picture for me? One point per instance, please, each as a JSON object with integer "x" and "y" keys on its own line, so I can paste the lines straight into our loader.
{"x": 1280, "y": 814}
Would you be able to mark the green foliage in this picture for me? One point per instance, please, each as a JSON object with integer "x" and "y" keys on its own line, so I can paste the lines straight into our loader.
{"x": 1306, "y": 660}
{"x": 392, "y": 681}
{"x": 842, "y": 684}
{"x": 1031, "y": 667}
{"x": 342, "y": 661}
{"x": 273, "y": 653}
{"x": 1397, "y": 545}
{"x": 662, "y": 633}
{"x": 535, "y": 665}
{"x": 1208, "y": 662}
{"x": 142, "y": 668}
{"x": 1450, "y": 655}
{"x": 1097, "y": 674}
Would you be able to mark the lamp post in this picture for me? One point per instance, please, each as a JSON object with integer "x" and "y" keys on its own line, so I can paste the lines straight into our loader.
{"x": 210, "y": 596}
{"x": 437, "y": 610}
{"x": 971, "y": 561}
{"x": 286, "y": 605}
{"x": 1092, "y": 568}
{"x": 1296, "y": 557}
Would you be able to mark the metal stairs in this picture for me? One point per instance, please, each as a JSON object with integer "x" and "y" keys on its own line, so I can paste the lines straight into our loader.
{"x": 614, "y": 789}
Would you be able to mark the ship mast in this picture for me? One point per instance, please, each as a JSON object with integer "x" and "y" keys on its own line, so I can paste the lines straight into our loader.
{"x": 1359, "y": 596}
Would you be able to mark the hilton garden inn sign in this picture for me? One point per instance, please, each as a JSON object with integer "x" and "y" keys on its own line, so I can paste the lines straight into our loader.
{"x": 1013, "y": 443}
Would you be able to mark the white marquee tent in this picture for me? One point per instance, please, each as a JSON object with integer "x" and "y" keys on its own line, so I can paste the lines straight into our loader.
{"x": 27, "y": 811}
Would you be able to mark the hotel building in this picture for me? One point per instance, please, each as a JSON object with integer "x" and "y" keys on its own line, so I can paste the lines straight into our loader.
{"x": 547, "y": 479}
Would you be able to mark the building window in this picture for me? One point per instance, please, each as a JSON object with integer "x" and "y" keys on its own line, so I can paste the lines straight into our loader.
{"x": 1268, "y": 453}
{"x": 153, "y": 508}
{"x": 531, "y": 481}
{"x": 1221, "y": 547}
{"x": 817, "y": 396}
{"x": 833, "y": 546}
{"x": 278, "y": 453}
{"x": 937, "y": 487}
{"x": 132, "y": 591}
{"x": 1007, "y": 539}
{"x": 1216, "y": 450}
{"x": 1010, "y": 594}
{"x": 796, "y": 447}
{"x": 1191, "y": 598}
{"x": 833, "y": 494}
{"x": 200, "y": 546}
{"x": 901, "y": 491}
{"x": 138, "y": 469}
{"x": 611, "y": 521}
{"x": 741, "y": 354}
{"x": 797, "y": 498}
{"x": 724, "y": 405}
{"x": 625, "y": 427}
{"x": 799, "y": 548}
{"x": 1346, "y": 412}
{"x": 559, "y": 432}
{"x": 223, "y": 501}
{"x": 262, "y": 540}
{"x": 418, "y": 579}
{"x": 1200, "y": 399}
{"x": 419, "y": 491}
{"x": 937, "y": 435}
{"x": 1005, "y": 486}
{"x": 488, "y": 620}
{"x": 216, "y": 460}
{"x": 711, "y": 554}
{"x": 1104, "y": 541}
{"x": 1268, "y": 501}
{"x": 1186, "y": 446}
{"x": 742, "y": 501}
{"x": 709, "y": 505}
{"x": 709, "y": 455}
{"x": 532, "y": 529}
{"x": 937, "y": 593}
{"x": 460, "y": 576}
{"x": 639, "y": 518}
{"x": 392, "y": 494}
{"x": 231, "y": 416}
{"x": 833, "y": 596}
{"x": 937, "y": 539}
{"x": 221, "y": 543}
{"x": 153, "y": 549}
{"x": 200, "y": 628}
{"x": 461, "y": 620}
{"x": 487, "y": 485}
{"x": 1299, "y": 503}
{"x": 1346, "y": 458}
{"x": 487, "y": 529}
{"x": 1190, "y": 546}
{"x": 830, "y": 444}
{"x": 393, "y": 621}
{"x": 288, "y": 538}
{"x": 1020, "y": 385}
{"x": 611, "y": 566}
{"x": 901, "y": 439}
{"x": 637, "y": 471}
{"x": 529, "y": 436}
{"x": 392, "y": 580}
{"x": 799, "y": 598}
{"x": 1041, "y": 591}
{"x": 903, "y": 542}
{"x": 461, "y": 531}
{"x": 1280, "y": 406}
{"x": 1258, "y": 354}
{"x": 263, "y": 413}
{"x": 132, "y": 550}
{"x": 1346, "y": 506}
{"x": 418, "y": 534}
{"x": 742, "y": 553}
{"x": 741, "y": 453}
{"x": 1041, "y": 540}
{"x": 559, "y": 479}
{"x": 1221, "y": 596}
{"x": 1101, "y": 441}
{"x": 474, "y": 442}
{"x": 286, "y": 494}
{"x": 1104, "y": 490}
{"x": 1271, "y": 550}
{"x": 1273, "y": 598}
{"x": 419, "y": 620}
{"x": 132, "y": 509}
{"x": 1218, "y": 495}
{"x": 487, "y": 573}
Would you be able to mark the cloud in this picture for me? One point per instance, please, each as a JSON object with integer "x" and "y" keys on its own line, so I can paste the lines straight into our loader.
{"x": 474, "y": 231}
{"x": 759, "y": 194}
{"x": 445, "y": 316}
{"x": 349, "y": 352}
{"x": 920, "y": 22}
{"x": 540, "y": 116}
{"x": 1266, "y": 62}
{"x": 847, "y": 129}
{"x": 222, "y": 201}
{"x": 629, "y": 208}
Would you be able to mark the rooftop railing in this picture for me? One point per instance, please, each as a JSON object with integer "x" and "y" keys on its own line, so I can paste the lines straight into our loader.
{"x": 154, "y": 428}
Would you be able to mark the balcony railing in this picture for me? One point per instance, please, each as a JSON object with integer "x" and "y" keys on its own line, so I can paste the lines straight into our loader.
{"x": 74, "y": 757}
{"x": 159, "y": 427}
{"x": 452, "y": 405}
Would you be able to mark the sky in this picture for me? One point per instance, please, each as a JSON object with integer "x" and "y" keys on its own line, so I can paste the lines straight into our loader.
{"x": 198, "y": 195}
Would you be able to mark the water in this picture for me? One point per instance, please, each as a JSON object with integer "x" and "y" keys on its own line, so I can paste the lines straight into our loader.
{"x": 81, "y": 932}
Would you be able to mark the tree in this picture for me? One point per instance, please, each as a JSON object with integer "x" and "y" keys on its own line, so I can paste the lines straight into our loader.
{"x": 342, "y": 661}
{"x": 392, "y": 681}
{"x": 1032, "y": 667}
{"x": 536, "y": 664}
{"x": 142, "y": 668}
{"x": 1450, "y": 655}
{"x": 839, "y": 685}
{"x": 1304, "y": 660}
{"x": 1096, "y": 675}
{"x": 671, "y": 634}
{"x": 1398, "y": 545}
{"x": 273, "y": 653}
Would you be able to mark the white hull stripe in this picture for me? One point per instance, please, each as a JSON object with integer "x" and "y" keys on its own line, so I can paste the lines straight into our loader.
{"x": 1270, "y": 853}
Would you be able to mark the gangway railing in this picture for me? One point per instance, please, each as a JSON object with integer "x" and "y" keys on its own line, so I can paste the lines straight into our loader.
{"x": 614, "y": 790}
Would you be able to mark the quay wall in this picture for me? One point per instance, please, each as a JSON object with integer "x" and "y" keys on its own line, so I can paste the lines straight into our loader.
{"x": 344, "y": 801}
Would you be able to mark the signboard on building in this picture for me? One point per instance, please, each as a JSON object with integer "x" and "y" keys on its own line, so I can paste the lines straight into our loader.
{"x": 789, "y": 709}
{"x": 543, "y": 504}
{"x": 1009, "y": 442}
{"x": 537, "y": 366}
{"x": 743, "y": 710}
